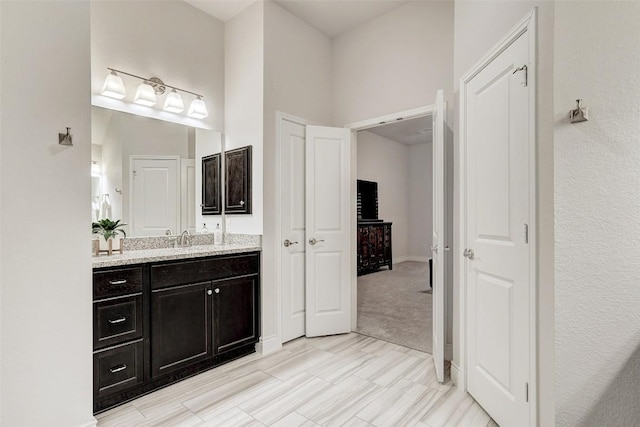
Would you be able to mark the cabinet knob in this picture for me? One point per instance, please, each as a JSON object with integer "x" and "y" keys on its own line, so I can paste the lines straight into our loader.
{"x": 217, "y": 291}
{"x": 209, "y": 292}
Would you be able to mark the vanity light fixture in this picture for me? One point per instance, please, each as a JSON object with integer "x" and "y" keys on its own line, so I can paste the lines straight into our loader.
{"x": 174, "y": 103}
{"x": 198, "y": 109}
{"x": 114, "y": 86}
{"x": 150, "y": 89}
{"x": 145, "y": 95}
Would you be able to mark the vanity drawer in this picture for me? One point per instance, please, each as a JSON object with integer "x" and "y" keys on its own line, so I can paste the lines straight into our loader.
{"x": 117, "y": 320}
{"x": 117, "y": 368}
{"x": 202, "y": 270}
{"x": 116, "y": 282}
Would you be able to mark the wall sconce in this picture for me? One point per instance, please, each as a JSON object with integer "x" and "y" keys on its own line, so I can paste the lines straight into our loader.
{"x": 149, "y": 90}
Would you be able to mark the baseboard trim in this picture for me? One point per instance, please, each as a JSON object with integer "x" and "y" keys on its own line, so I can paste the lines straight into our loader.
{"x": 92, "y": 423}
{"x": 455, "y": 374}
{"x": 405, "y": 258}
{"x": 268, "y": 345}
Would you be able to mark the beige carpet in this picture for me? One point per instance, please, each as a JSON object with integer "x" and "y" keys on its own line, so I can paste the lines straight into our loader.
{"x": 393, "y": 305}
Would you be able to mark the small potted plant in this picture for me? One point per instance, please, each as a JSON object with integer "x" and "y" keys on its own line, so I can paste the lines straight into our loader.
{"x": 109, "y": 230}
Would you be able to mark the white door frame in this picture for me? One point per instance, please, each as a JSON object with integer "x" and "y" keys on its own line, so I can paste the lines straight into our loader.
{"x": 527, "y": 24}
{"x": 134, "y": 157}
{"x": 355, "y": 127}
{"x": 280, "y": 116}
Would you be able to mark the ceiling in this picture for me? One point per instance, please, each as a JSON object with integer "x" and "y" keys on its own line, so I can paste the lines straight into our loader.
{"x": 224, "y": 10}
{"x": 330, "y": 17}
{"x": 334, "y": 17}
{"x": 408, "y": 132}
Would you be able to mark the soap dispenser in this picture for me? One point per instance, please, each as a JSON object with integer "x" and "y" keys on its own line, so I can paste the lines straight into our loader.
{"x": 217, "y": 235}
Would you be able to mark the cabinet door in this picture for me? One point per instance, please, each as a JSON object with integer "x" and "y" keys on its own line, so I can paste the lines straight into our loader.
{"x": 180, "y": 327}
{"x": 235, "y": 313}
{"x": 237, "y": 197}
{"x": 211, "y": 185}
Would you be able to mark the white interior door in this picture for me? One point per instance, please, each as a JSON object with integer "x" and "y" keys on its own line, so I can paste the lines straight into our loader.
{"x": 292, "y": 219}
{"x": 497, "y": 263}
{"x": 188, "y": 195}
{"x": 437, "y": 245}
{"x": 155, "y": 196}
{"x": 328, "y": 230}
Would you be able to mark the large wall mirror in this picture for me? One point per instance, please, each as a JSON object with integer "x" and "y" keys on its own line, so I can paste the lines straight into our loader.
{"x": 148, "y": 173}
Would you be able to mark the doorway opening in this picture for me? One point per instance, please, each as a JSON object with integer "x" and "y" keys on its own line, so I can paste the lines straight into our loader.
{"x": 394, "y": 231}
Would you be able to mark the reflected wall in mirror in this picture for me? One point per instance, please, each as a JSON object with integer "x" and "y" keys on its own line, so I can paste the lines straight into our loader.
{"x": 150, "y": 170}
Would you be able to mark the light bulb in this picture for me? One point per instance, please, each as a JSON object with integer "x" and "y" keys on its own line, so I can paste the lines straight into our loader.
{"x": 174, "y": 103}
{"x": 145, "y": 95}
{"x": 198, "y": 109}
{"x": 114, "y": 86}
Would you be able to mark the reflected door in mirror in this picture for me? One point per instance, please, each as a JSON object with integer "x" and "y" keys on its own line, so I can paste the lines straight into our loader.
{"x": 211, "y": 185}
{"x": 238, "y": 181}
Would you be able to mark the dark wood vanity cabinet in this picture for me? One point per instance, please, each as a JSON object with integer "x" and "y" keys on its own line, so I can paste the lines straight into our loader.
{"x": 169, "y": 320}
{"x": 181, "y": 327}
{"x": 237, "y": 196}
{"x": 235, "y": 303}
{"x": 211, "y": 185}
{"x": 374, "y": 246}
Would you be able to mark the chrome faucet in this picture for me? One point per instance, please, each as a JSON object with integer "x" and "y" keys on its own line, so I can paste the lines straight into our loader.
{"x": 185, "y": 238}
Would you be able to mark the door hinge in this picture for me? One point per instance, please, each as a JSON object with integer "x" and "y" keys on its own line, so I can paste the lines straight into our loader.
{"x": 526, "y": 233}
{"x": 524, "y": 68}
{"x": 526, "y": 392}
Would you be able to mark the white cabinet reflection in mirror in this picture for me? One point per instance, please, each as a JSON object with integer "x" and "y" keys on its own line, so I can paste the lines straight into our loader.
{"x": 155, "y": 164}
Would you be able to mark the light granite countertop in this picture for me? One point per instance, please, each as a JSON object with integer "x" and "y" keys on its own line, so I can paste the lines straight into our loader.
{"x": 167, "y": 254}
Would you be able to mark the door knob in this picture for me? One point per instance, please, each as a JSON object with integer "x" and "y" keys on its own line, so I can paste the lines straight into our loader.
{"x": 469, "y": 253}
{"x": 434, "y": 249}
{"x": 313, "y": 241}
{"x": 217, "y": 290}
{"x": 288, "y": 243}
{"x": 209, "y": 292}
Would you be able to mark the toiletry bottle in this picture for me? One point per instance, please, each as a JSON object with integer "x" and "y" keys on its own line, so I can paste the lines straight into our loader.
{"x": 217, "y": 235}
{"x": 204, "y": 230}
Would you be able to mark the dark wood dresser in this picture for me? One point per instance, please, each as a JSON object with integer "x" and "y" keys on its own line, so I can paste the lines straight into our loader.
{"x": 374, "y": 246}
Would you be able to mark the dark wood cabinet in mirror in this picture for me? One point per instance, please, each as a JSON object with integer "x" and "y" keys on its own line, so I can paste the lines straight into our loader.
{"x": 211, "y": 185}
{"x": 238, "y": 181}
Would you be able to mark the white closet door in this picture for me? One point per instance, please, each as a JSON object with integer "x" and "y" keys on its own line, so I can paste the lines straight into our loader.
{"x": 292, "y": 221}
{"x": 154, "y": 196}
{"x": 437, "y": 245}
{"x": 497, "y": 213}
{"x": 328, "y": 231}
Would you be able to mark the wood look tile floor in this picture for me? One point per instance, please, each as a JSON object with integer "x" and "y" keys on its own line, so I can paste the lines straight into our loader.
{"x": 343, "y": 380}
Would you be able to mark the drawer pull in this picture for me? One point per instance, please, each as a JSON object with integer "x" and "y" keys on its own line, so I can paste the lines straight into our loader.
{"x": 117, "y": 282}
{"x": 118, "y": 369}
{"x": 120, "y": 320}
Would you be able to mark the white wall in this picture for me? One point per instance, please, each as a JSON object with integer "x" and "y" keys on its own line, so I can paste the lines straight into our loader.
{"x": 387, "y": 163}
{"x": 244, "y": 104}
{"x": 297, "y": 81}
{"x": 46, "y": 260}
{"x": 479, "y": 25}
{"x": 394, "y": 62}
{"x": 420, "y": 200}
{"x": 597, "y": 206}
{"x": 167, "y": 39}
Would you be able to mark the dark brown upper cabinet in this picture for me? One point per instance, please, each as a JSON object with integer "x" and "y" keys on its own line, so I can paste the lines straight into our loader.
{"x": 211, "y": 185}
{"x": 238, "y": 181}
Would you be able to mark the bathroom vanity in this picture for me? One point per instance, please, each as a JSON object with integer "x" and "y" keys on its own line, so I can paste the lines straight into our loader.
{"x": 162, "y": 315}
